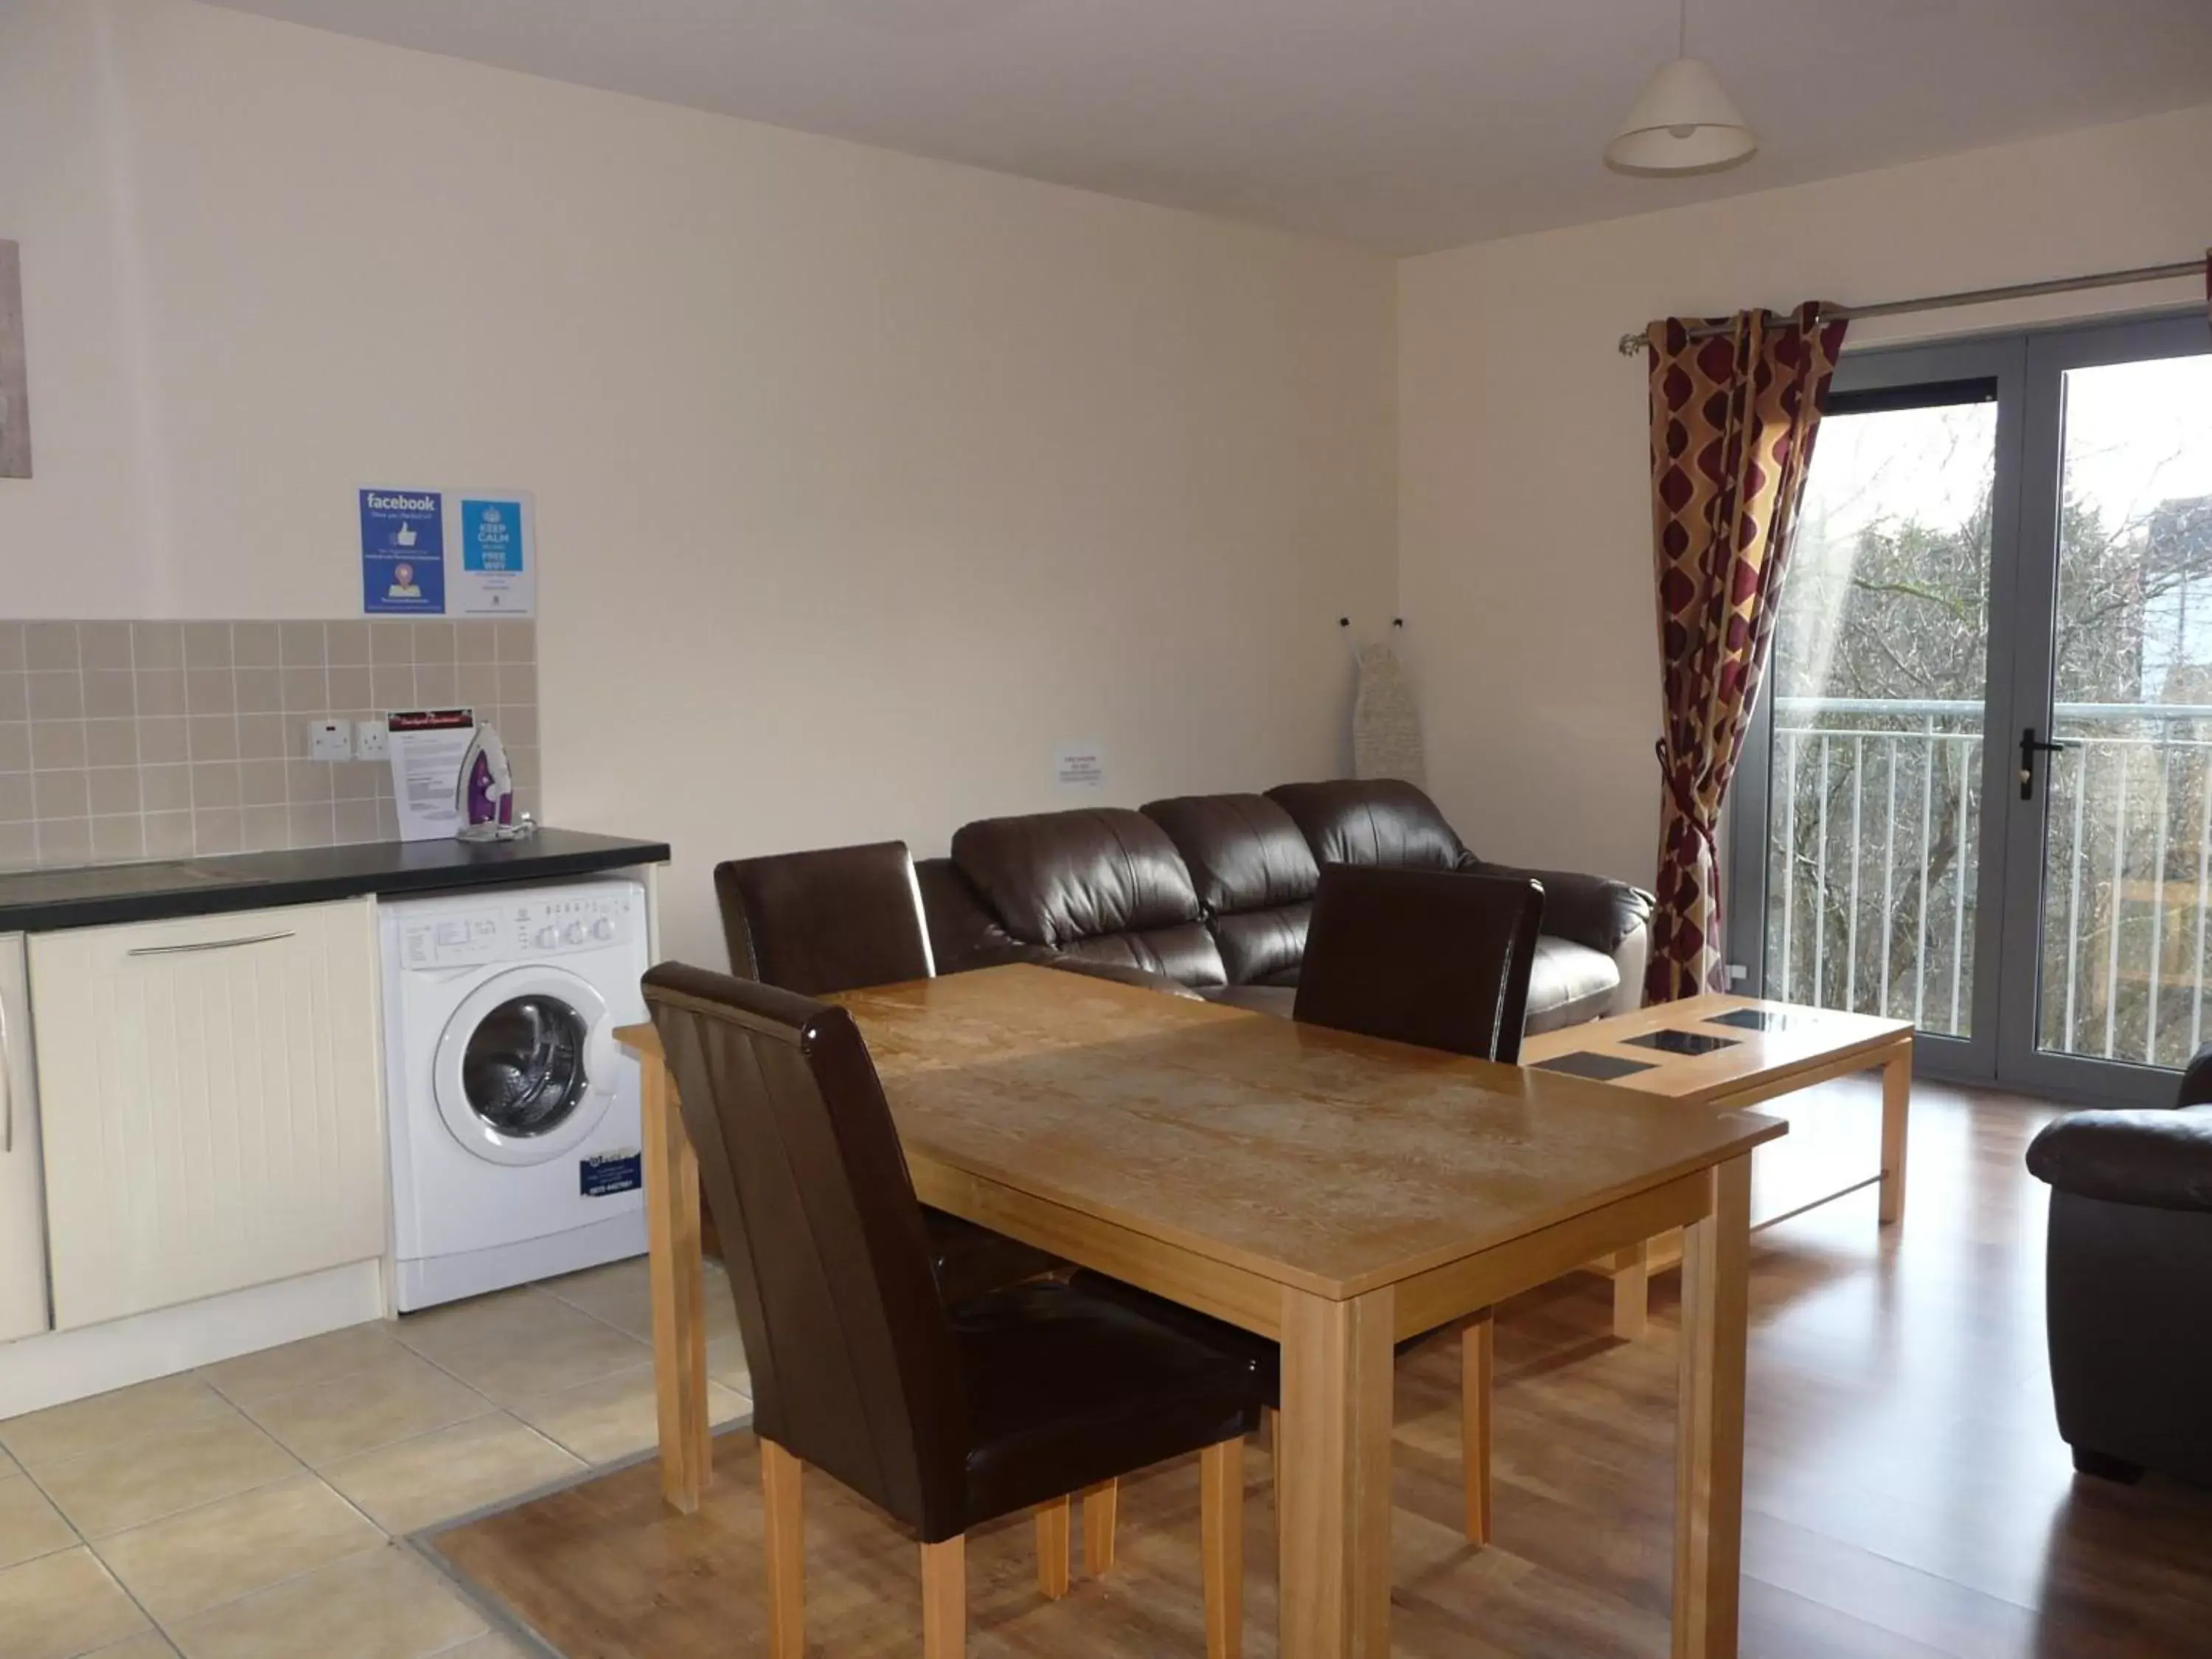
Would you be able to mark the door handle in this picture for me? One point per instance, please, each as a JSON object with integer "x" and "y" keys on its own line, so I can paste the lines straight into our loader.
{"x": 205, "y": 945}
{"x": 7, "y": 1083}
{"x": 2029, "y": 747}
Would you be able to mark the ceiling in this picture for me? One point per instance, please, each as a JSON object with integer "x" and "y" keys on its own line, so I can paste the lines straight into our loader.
{"x": 1404, "y": 125}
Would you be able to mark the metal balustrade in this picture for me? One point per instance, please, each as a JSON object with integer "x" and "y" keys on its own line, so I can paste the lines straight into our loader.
{"x": 1875, "y": 822}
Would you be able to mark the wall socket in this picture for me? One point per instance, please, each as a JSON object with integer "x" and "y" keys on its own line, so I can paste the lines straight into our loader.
{"x": 329, "y": 740}
{"x": 370, "y": 740}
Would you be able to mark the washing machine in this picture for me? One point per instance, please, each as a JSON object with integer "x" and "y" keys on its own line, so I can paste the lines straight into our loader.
{"x": 512, "y": 1111}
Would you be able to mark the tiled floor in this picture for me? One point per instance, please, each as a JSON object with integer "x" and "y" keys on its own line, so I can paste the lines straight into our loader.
{"x": 251, "y": 1510}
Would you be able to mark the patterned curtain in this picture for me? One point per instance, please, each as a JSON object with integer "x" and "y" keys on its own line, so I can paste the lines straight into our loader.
{"x": 1733, "y": 415}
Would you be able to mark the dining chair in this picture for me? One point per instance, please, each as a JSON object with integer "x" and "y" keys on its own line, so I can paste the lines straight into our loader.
{"x": 1439, "y": 958}
{"x": 944, "y": 1415}
{"x": 840, "y": 919}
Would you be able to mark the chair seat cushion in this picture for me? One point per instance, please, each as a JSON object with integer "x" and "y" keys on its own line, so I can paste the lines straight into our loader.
{"x": 1065, "y": 1389}
{"x": 967, "y": 1260}
{"x": 1568, "y": 984}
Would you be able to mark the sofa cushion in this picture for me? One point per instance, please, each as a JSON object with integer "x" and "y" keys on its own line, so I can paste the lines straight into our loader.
{"x": 1101, "y": 883}
{"x": 1568, "y": 983}
{"x": 1380, "y": 821}
{"x": 1185, "y": 953}
{"x": 1253, "y": 874}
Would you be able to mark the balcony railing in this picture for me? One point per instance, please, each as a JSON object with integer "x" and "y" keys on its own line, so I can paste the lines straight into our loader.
{"x": 1873, "y": 856}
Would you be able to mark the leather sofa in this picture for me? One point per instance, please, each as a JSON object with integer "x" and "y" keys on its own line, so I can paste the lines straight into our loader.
{"x": 2129, "y": 1282}
{"x": 1210, "y": 894}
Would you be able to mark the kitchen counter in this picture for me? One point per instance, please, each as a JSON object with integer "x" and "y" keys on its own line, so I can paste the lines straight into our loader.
{"x": 95, "y": 894}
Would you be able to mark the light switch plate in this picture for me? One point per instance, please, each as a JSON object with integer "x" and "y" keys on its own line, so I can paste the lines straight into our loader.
{"x": 329, "y": 740}
{"x": 371, "y": 740}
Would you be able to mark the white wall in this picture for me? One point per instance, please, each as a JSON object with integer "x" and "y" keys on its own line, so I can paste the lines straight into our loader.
{"x": 1524, "y": 553}
{"x": 862, "y": 480}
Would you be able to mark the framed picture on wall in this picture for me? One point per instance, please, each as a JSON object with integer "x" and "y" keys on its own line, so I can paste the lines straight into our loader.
{"x": 14, "y": 388}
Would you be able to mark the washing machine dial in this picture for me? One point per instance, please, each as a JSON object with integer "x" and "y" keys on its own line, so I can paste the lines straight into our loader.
{"x": 604, "y": 929}
{"x": 548, "y": 938}
{"x": 574, "y": 933}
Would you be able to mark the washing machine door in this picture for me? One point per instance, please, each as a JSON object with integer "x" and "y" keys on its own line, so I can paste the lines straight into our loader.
{"x": 527, "y": 1066}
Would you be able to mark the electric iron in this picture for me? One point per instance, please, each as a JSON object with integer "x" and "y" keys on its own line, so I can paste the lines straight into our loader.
{"x": 485, "y": 794}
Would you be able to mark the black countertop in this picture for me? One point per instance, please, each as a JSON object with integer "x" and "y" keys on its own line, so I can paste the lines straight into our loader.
{"x": 93, "y": 894}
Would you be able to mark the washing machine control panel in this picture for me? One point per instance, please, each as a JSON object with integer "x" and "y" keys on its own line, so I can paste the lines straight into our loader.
{"x": 544, "y": 923}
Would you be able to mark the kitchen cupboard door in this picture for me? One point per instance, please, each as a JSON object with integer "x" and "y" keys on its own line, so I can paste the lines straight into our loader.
{"x": 208, "y": 1089}
{"x": 22, "y": 1201}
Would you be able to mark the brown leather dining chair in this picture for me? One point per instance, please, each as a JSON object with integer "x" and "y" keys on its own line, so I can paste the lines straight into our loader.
{"x": 1434, "y": 958}
{"x": 944, "y": 1415}
{"x": 839, "y": 919}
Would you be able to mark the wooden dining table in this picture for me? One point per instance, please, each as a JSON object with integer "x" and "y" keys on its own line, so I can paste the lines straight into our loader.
{"x": 1333, "y": 1192}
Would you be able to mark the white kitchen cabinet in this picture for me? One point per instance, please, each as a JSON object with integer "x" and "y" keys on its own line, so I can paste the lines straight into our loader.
{"x": 209, "y": 1094}
{"x": 22, "y": 1208}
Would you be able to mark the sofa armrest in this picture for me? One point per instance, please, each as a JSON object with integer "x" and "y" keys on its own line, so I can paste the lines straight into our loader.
{"x": 2156, "y": 1158}
{"x": 2195, "y": 1088}
{"x": 1593, "y": 910}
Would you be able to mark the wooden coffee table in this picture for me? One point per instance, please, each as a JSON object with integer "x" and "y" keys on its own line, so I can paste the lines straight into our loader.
{"x": 1749, "y": 1051}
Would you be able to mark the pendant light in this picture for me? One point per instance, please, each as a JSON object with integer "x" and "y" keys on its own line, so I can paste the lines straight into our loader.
{"x": 1683, "y": 121}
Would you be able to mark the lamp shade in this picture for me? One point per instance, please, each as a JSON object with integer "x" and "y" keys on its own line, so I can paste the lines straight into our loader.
{"x": 1683, "y": 122}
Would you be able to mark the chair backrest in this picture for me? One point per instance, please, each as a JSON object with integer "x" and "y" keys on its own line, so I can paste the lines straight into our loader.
{"x": 853, "y": 1367}
{"x": 833, "y": 919}
{"x": 1436, "y": 957}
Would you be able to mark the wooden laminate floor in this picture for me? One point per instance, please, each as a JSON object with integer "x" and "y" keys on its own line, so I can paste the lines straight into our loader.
{"x": 1908, "y": 1496}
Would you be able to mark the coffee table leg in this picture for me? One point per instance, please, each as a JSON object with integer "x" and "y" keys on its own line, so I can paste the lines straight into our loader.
{"x": 1709, "y": 1436}
{"x": 1631, "y": 1290}
{"x": 1896, "y": 1108}
{"x": 1333, "y": 1477}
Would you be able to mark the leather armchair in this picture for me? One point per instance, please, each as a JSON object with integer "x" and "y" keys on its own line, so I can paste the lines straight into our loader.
{"x": 2128, "y": 1292}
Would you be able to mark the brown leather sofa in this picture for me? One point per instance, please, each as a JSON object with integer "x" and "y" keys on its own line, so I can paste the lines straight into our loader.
{"x": 2129, "y": 1282}
{"x": 1210, "y": 895}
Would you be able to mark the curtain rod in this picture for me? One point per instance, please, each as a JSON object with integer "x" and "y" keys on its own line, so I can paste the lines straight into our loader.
{"x": 1632, "y": 345}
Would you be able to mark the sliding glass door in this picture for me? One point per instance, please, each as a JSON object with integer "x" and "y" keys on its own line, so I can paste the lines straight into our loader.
{"x": 2112, "y": 727}
{"x": 1977, "y": 793}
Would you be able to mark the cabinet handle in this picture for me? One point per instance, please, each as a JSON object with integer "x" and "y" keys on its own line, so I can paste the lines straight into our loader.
{"x": 203, "y": 944}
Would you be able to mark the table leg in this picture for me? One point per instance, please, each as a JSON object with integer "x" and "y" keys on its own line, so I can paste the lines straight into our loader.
{"x": 679, "y": 1325}
{"x": 1477, "y": 1370}
{"x": 1896, "y": 1108}
{"x": 1631, "y": 1290}
{"x": 1333, "y": 1476}
{"x": 1708, "y": 1442}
